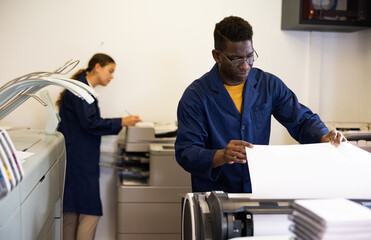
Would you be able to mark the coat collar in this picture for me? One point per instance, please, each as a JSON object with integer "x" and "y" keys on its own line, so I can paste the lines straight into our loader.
{"x": 223, "y": 98}
{"x": 82, "y": 78}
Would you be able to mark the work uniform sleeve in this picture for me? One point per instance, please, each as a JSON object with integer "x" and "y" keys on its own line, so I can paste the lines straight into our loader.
{"x": 302, "y": 124}
{"x": 191, "y": 152}
{"x": 89, "y": 118}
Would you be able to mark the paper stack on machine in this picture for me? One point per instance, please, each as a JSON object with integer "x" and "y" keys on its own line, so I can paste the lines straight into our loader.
{"x": 337, "y": 219}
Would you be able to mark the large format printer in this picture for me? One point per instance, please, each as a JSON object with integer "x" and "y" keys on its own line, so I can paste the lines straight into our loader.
{"x": 31, "y": 208}
{"x": 280, "y": 175}
{"x": 218, "y": 215}
{"x": 151, "y": 184}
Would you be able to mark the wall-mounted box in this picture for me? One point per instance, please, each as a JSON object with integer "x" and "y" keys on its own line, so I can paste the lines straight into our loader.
{"x": 326, "y": 15}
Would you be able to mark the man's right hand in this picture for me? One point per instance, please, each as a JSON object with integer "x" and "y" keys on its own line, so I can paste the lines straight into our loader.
{"x": 233, "y": 153}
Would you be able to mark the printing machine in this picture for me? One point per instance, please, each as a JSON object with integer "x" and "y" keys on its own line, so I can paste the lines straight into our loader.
{"x": 32, "y": 208}
{"x": 218, "y": 215}
{"x": 134, "y": 149}
{"x": 314, "y": 171}
{"x": 151, "y": 184}
{"x": 138, "y": 137}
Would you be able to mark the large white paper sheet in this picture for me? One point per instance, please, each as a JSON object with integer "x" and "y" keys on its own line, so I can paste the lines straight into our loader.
{"x": 309, "y": 171}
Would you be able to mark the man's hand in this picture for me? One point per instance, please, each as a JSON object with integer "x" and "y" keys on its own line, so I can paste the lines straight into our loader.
{"x": 234, "y": 152}
{"x": 334, "y": 137}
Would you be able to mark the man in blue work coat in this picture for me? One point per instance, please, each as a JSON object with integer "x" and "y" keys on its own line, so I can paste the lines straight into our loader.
{"x": 230, "y": 108}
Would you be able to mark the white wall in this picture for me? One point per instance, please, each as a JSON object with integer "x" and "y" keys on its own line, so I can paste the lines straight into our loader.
{"x": 162, "y": 46}
{"x": 366, "y": 84}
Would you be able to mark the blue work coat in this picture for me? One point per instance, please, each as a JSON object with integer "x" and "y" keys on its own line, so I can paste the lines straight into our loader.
{"x": 82, "y": 127}
{"x": 208, "y": 120}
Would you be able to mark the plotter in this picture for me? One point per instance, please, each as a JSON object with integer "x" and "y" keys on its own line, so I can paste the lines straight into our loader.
{"x": 32, "y": 190}
{"x": 280, "y": 175}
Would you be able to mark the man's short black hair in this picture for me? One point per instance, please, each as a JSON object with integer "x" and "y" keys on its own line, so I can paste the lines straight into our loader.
{"x": 234, "y": 29}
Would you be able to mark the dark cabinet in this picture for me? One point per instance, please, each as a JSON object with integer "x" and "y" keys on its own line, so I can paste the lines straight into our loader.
{"x": 330, "y": 15}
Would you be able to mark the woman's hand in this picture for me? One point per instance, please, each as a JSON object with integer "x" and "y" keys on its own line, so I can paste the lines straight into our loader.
{"x": 130, "y": 120}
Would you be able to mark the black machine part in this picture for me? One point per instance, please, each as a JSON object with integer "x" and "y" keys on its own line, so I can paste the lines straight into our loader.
{"x": 219, "y": 215}
{"x": 234, "y": 217}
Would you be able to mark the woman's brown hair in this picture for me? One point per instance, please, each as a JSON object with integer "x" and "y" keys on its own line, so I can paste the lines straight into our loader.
{"x": 100, "y": 58}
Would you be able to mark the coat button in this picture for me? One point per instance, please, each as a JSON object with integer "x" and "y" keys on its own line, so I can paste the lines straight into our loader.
{"x": 243, "y": 127}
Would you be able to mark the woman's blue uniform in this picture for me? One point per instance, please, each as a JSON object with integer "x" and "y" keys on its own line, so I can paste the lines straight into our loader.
{"x": 82, "y": 127}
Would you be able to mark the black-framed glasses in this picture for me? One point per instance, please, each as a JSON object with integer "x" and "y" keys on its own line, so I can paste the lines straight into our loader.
{"x": 239, "y": 61}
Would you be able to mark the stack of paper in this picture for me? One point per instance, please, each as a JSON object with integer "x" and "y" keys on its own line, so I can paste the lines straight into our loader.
{"x": 330, "y": 219}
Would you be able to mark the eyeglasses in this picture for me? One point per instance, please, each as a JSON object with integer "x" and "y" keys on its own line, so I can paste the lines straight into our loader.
{"x": 239, "y": 61}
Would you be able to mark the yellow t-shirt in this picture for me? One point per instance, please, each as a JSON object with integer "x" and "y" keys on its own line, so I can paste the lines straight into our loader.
{"x": 236, "y": 94}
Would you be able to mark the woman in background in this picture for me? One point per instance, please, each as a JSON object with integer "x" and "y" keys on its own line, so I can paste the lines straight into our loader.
{"x": 83, "y": 127}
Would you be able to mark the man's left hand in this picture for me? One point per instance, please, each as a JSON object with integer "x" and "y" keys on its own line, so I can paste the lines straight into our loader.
{"x": 334, "y": 137}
